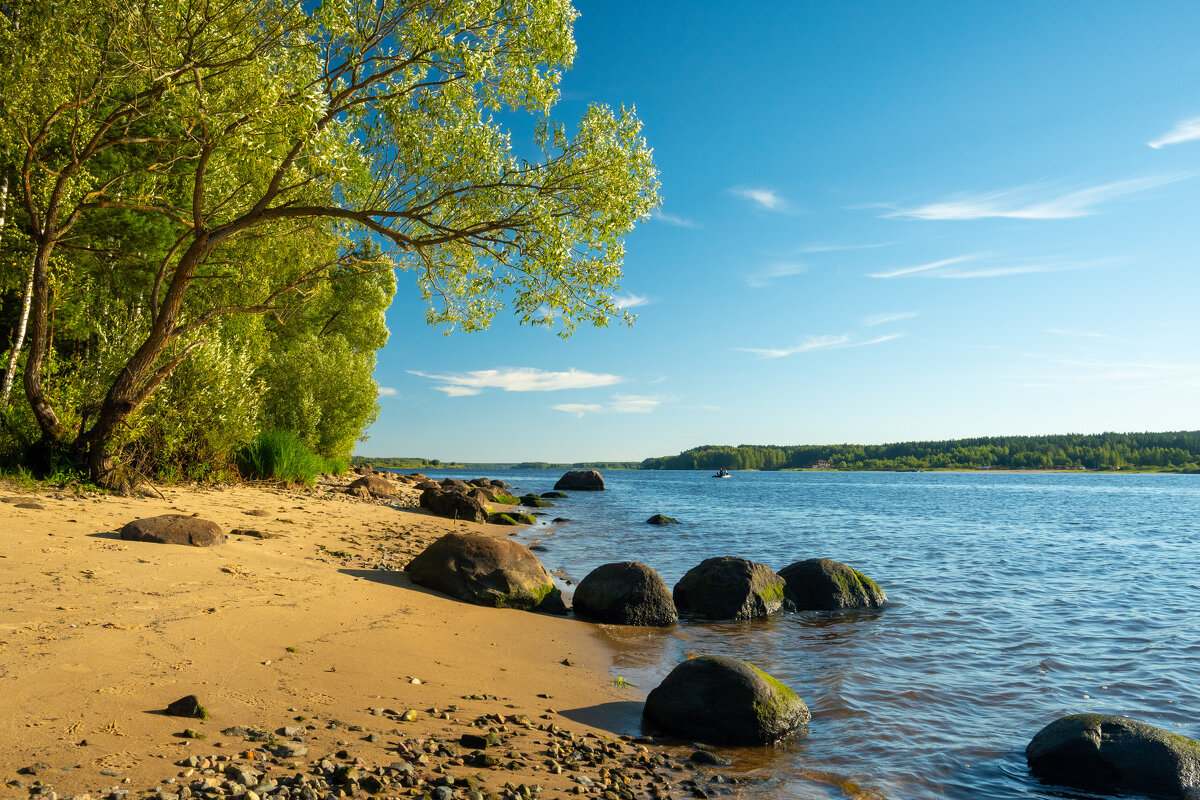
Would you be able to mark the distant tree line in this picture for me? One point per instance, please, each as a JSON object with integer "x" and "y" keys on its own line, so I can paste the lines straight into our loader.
{"x": 396, "y": 462}
{"x": 1176, "y": 451}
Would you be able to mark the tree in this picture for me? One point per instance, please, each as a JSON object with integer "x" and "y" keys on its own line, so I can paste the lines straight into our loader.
{"x": 239, "y": 120}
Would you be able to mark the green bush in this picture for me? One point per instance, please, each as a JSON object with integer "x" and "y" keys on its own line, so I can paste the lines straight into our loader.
{"x": 280, "y": 455}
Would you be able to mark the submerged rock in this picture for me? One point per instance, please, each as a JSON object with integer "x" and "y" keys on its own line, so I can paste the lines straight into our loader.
{"x": 533, "y": 501}
{"x": 819, "y": 584}
{"x": 581, "y": 480}
{"x": 625, "y": 593}
{"x": 174, "y": 529}
{"x": 554, "y": 495}
{"x": 722, "y": 700}
{"x": 488, "y": 572}
{"x": 730, "y": 588}
{"x": 662, "y": 519}
{"x": 1106, "y": 754}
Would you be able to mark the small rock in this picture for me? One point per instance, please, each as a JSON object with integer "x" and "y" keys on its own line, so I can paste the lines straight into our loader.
{"x": 188, "y": 706}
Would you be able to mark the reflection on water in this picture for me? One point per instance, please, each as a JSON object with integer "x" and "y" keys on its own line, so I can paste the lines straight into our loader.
{"x": 1016, "y": 599}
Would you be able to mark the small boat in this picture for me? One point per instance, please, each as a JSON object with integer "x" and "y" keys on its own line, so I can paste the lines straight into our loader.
{"x": 722, "y": 473}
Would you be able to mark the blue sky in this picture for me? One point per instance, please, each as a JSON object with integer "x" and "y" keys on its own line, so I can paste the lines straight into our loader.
{"x": 881, "y": 222}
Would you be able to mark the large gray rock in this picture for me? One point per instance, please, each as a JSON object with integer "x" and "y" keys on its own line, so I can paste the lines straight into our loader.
{"x": 174, "y": 529}
{"x": 377, "y": 486}
{"x": 722, "y": 700}
{"x": 1106, "y": 754}
{"x": 453, "y": 504}
{"x": 625, "y": 593}
{"x": 488, "y": 572}
{"x": 582, "y": 481}
{"x": 819, "y": 584}
{"x": 730, "y": 588}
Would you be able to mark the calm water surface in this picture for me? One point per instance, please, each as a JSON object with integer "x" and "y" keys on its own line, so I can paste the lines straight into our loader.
{"x": 1015, "y": 599}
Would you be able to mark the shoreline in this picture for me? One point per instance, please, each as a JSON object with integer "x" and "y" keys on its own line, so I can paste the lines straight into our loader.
{"x": 315, "y": 624}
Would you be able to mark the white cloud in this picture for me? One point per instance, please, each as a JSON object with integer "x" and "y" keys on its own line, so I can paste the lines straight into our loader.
{"x": 837, "y": 248}
{"x": 1077, "y": 334}
{"x": 619, "y": 404}
{"x": 945, "y": 269}
{"x": 1186, "y": 131}
{"x": 630, "y": 301}
{"x": 677, "y": 221}
{"x": 765, "y": 199}
{"x": 517, "y": 379}
{"x": 579, "y": 409}
{"x": 387, "y": 391}
{"x": 933, "y": 265}
{"x": 817, "y": 343}
{"x": 883, "y": 319}
{"x": 767, "y": 276}
{"x": 1034, "y": 201}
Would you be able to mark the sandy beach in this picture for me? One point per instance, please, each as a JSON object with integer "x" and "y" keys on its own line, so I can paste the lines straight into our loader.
{"x": 315, "y": 626}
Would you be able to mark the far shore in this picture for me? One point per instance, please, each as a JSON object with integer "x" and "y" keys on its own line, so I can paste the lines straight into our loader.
{"x": 315, "y": 625}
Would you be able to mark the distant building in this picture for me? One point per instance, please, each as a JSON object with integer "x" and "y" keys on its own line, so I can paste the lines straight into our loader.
{"x": 819, "y": 464}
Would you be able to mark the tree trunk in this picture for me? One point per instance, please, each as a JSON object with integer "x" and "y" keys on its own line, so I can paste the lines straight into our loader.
{"x": 138, "y": 379}
{"x": 39, "y": 338}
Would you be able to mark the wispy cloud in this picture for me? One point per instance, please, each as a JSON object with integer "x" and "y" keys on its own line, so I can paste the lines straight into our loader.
{"x": 1034, "y": 201}
{"x": 631, "y": 301}
{"x": 947, "y": 269}
{"x": 768, "y": 275}
{"x": 817, "y": 343}
{"x": 837, "y": 248}
{"x": 766, "y": 199}
{"x": 517, "y": 379}
{"x": 1186, "y": 131}
{"x": 387, "y": 391}
{"x": 677, "y": 221}
{"x": 1077, "y": 334}
{"x": 932, "y": 265}
{"x": 618, "y": 404}
{"x": 883, "y": 319}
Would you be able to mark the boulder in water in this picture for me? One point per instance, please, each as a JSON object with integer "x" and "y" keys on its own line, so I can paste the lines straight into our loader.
{"x": 662, "y": 519}
{"x": 582, "y": 481}
{"x": 730, "y": 588}
{"x": 819, "y": 584}
{"x": 1108, "y": 754}
{"x": 625, "y": 593}
{"x": 722, "y": 700}
{"x": 487, "y": 571}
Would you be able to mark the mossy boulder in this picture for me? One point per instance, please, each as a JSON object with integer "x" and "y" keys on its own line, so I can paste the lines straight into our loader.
{"x": 727, "y": 587}
{"x": 722, "y": 700}
{"x": 174, "y": 529}
{"x": 533, "y": 501}
{"x": 662, "y": 519}
{"x": 377, "y": 486}
{"x": 487, "y": 571}
{"x": 581, "y": 481}
{"x": 1108, "y": 754}
{"x": 554, "y": 495}
{"x": 818, "y": 584}
{"x": 511, "y": 518}
{"x": 453, "y": 504}
{"x": 625, "y": 593}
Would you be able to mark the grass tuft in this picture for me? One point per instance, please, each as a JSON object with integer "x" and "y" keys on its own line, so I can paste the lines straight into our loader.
{"x": 281, "y": 456}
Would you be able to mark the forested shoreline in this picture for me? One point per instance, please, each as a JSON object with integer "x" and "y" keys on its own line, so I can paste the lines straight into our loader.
{"x": 1174, "y": 451}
